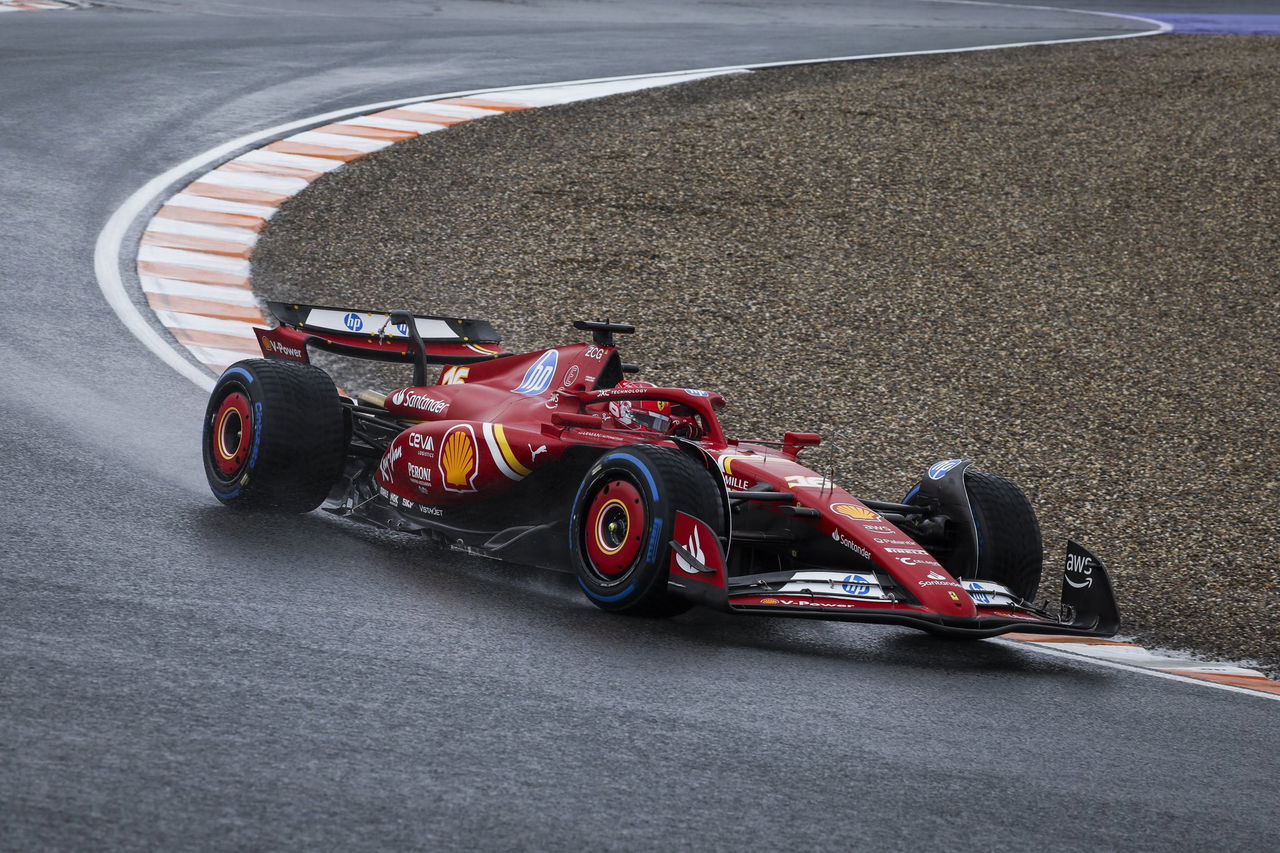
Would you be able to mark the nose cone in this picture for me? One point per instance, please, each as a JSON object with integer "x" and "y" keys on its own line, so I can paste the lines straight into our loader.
{"x": 936, "y": 589}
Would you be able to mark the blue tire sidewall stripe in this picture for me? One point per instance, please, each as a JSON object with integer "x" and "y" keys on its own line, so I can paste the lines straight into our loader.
{"x": 644, "y": 469}
{"x": 606, "y": 598}
{"x": 237, "y": 370}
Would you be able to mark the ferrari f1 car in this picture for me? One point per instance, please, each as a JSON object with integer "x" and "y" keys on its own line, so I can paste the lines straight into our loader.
{"x": 555, "y": 458}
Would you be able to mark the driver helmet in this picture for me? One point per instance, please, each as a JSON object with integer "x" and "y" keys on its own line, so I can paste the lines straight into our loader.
{"x": 656, "y": 415}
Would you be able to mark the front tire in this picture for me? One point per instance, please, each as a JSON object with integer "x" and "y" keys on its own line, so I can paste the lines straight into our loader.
{"x": 1010, "y": 549}
{"x": 274, "y": 436}
{"x": 622, "y": 521}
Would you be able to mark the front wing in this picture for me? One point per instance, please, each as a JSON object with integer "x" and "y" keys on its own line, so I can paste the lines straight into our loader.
{"x": 1088, "y": 607}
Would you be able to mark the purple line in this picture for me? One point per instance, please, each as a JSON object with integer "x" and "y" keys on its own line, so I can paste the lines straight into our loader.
{"x": 1244, "y": 25}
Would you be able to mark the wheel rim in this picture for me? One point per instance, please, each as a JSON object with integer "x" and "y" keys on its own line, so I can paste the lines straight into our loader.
{"x": 231, "y": 436}
{"x": 615, "y": 524}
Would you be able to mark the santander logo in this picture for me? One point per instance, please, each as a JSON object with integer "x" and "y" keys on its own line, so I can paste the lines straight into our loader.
{"x": 694, "y": 547}
{"x": 421, "y": 402}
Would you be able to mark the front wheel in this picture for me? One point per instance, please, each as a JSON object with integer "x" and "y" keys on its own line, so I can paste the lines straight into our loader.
{"x": 1010, "y": 550}
{"x": 622, "y": 522}
{"x": 274, "y": 436}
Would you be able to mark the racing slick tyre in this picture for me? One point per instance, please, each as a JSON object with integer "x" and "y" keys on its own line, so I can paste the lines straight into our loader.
{"x": 1010, "y": 551}
{"x": 627, "y": 502}
{"x": 274, "y": 436}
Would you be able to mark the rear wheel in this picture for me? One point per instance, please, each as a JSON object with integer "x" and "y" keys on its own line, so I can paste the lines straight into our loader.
{"x": 274, "y": 436}
{"x": 1010, "y": 550}
{"x": 622, "y": 522}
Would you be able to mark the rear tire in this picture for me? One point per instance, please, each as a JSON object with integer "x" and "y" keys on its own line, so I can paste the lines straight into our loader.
{"x": 622, "y": 521}
{"x": 274, "y": 436}
{"x": 1010, "y": 550}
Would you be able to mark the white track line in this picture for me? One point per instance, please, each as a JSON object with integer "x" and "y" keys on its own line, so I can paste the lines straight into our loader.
{"x": 1060, "y": 651}
{"x": 1160, "y": 25}
{"x": 451, "y": 110}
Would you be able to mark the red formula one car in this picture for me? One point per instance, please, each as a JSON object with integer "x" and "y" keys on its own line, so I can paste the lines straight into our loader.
{"x": 554, "y": 458}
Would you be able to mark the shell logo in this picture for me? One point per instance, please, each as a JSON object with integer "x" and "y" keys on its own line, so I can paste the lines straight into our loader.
{"x": 458, "y": 459}
{"x": 858, "y": 513}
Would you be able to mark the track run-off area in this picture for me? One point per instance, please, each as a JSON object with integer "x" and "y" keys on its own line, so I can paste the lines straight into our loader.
{"x": 177, "y": 675}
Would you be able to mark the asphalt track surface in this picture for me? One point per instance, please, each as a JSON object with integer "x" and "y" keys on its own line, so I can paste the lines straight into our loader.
{"x": 173, "y": 675}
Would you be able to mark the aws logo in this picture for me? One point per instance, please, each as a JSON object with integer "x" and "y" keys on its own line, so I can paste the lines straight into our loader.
{"x": 458, "y": 459}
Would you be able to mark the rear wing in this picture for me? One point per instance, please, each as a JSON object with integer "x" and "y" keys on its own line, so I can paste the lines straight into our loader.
{"x": 398, "y": 336}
